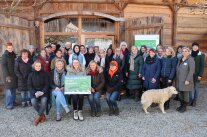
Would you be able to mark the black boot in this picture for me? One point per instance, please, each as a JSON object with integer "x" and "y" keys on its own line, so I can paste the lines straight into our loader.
{"x": 136, "y": 96}
{"x": 190, "y": 102}
{"x": 167, "y": 105}
{"x": 194, "y": 103}
{"x": 111, "y": 111}
{"x": 181, "y": 105}
{"x": 176, "y": 98}
{"x": 93, "y": 114}
{"x": 184, "y": 108}
{"x": 116, "y": 111}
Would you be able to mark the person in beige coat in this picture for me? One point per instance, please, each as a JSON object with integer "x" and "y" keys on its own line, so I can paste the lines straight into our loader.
{"x": 184, "y": 78}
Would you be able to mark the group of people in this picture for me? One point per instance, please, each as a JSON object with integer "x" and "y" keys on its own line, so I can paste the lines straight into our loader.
{"x": 39, "y": 76}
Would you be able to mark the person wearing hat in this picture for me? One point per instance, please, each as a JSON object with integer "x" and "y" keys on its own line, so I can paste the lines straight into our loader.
{"x": 114, "y": 82}
{"x": 32, "y": 53}
{"x": 151, "y": 71}
{"x": 10, "y": 79}
{"x": 68, "y": 46}
{"x": 199, "y": 59}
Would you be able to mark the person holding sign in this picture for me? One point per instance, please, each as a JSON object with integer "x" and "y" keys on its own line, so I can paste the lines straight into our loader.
{"x": 114, "y": 84}
{"x": 76, "y": 69}
{"x": 97, "y": 83}
{"x": 38, "y": 86}
{"x": 57, "y": 85}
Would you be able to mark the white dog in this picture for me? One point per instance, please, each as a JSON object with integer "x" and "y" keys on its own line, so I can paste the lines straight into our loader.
{"x": 159, "y": 96}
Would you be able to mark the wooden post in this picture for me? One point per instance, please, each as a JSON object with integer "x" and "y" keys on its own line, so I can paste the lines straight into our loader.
{"x": 80, "y": 39}
{"x": 42, "y": 34}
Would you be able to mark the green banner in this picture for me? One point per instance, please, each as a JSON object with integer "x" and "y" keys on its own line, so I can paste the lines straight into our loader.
{"x": 78, "y": 85}
{"x": 148, "y": 43}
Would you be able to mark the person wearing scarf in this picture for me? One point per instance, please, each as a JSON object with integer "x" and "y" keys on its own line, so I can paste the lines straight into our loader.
{"x": 151, "y": 71}
{"x": 90, "y": 55}
{"x": 168, "y": 70}
{"x": 114, "y": 83}
{"x": 45, "y": 61}
{"x": 97, "y": 83}
{"x": 57, "y": 85}
{"x": 199, "y": 59}
{"x": 38, "y": 86}
{"x": 77, "y": 55}
{"x": 76, "y": 69}
{"x": 134, "y": 81}
{"x": 59, "y": 56}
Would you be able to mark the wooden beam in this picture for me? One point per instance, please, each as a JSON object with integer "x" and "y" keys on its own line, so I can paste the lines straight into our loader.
{"x": 60, "y": 33}
{"x": 16, "y": 26}
{"x": 42, "y": 35}
{"x": 145, "y": 27}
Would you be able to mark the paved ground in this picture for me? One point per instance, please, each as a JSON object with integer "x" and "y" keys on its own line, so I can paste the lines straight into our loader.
{"x": 131, "y": 122}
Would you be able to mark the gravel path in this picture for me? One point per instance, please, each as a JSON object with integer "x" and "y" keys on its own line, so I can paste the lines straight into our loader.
{"x": 132, "y": 122}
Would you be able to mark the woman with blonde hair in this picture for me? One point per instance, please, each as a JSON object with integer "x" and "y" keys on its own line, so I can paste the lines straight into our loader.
{"x": 97, "y": 84}
{"x": 38, "y": 86}
{"x": 168, "y": 69}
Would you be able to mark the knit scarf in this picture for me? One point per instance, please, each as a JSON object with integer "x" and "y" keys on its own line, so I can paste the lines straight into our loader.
{"x": 59, "y": 77}
{"x": 92, "y": 73}
{"x": 150, "y": 60}
{"x": 111, "y": 73}
{"x": 131, "y": 61}
{"x": 194, "y": 53}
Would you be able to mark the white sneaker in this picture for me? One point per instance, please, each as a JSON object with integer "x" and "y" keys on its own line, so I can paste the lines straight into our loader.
{"x": 80, "y": 115}
{"x": 75, "y": 114}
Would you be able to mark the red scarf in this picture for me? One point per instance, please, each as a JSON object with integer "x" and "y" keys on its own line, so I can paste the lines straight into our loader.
{"x": 92, "y": 73}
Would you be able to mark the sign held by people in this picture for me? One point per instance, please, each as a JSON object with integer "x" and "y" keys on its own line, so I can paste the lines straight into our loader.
{"x": 150, "y": 41}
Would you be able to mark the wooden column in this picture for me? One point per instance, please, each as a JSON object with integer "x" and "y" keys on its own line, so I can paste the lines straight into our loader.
{"x": 80, "y": 38}
{"x": 42, "y": 34}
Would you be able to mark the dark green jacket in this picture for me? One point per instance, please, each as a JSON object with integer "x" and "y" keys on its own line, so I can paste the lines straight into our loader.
{"x": 133, "y": 81}
{"x": 199, "y": 65}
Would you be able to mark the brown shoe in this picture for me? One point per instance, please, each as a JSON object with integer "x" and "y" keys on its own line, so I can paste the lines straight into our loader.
{"x": 43, "y": 118}
{"x": 37, "y": 120}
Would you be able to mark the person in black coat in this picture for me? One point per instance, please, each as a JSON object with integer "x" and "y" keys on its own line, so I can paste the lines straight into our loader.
{"x": 114, "y": 83}
{"x": 90, "y": 55}
{"x": 23, "y": 66}
{"x": 38, "y": 86}
{"x": 10, "y": 80}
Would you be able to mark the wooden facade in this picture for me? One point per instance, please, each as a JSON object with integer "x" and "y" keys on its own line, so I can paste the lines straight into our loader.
{"x": 179, "y": 22}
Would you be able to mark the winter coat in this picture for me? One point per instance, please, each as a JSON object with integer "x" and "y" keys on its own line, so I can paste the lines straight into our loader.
{"x": 88, "y": 58}
{"x": 22, "y": 71}
{"x": 108, "y": 59}
{"x": 45, "y": 63}
{"x": 38, "y": 81}
{"x": 184, "y": 72}
{"x": 133, "y": 82}
{"x": 52, "y": 83}
{"x": 115, "y": 82}
{"x": 52, "y": 65}
{"x": 8, "y": 60}
{"x": 80, "y": 57}
{"x": 149, "y": 71}
{"x": 73, "y": 72}
{"x": 98, "y": 80}
{"x": 199, "y": 65}
{"x": 168, "y": 67}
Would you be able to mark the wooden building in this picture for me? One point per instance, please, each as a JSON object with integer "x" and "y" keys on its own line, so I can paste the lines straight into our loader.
{"x": 37, "y": 22}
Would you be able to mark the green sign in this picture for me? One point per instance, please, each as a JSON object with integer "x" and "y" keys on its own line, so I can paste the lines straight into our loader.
{"x": 148, "y": 43}
{"x": 78, "y": 85}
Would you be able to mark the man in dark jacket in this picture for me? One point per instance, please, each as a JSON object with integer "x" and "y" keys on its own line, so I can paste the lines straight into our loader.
{"x": 10, "y": 80}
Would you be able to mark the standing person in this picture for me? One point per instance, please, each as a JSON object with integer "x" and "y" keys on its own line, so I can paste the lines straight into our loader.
{"x": 97, "y": 83}
{"x": 90, "y": 55}
{"x": 143, "y": 51}
{"x": 151, "y": 71}
{"x": 120, "y": 59}
{"x": 77, "y": 55}
{"x": 160, "y": 53}
{"x": 32, "y": 53}
{"x": 45, "y": 61}
{"x": 102, "y": 58}
{"x": 184, "y": 78}
{"x": 96, "y": 49}
{"x": 23, "y": 66}
{"x": 134, "y": 69}
{"x": 76, "y": 69}
{"x": 179, "y": 53}
{"x": 68, "y": 46}
{"x": 53, "y": 50}
{"x": 59, "y": 56}
{"x": 48, "y": 49}
{"x": 10, "y": 79}
{"x": 38, "y": 87}
{"x": 199, "y": 59}
{"x": 57, "y": 85}
{"x": 108, "y": 58}
{"x": 114, "y": 82}
{"x": 168, "y": 70}
{"x": 67, "y": 56}
{"x": 83, "y": 49}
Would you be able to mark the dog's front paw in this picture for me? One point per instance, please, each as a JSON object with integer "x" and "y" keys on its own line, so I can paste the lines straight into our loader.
{"x": 164, "y": 112}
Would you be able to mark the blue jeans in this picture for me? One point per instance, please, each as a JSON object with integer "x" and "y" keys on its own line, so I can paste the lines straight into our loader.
{"x": 25, "y": 95}
{"x": 111, "y": 98}
{"x": 59, "y": 100}
{"x": 94, "y": 101}
{"x": 10, "y": 96}
{"x": 39, "y": 104}
{"x": 194, "y": 95}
